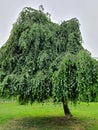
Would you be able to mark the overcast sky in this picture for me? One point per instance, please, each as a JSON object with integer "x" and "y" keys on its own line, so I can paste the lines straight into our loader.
{"x": 85, "y": 10}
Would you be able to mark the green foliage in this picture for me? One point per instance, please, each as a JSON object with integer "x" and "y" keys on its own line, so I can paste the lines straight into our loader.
{"x": 70, "y": 32}
{"x": 87, "y": 79}
{"x": 76, "y": 78}
{"x": 42, "y": 59}
{"x": 64, "y": 80}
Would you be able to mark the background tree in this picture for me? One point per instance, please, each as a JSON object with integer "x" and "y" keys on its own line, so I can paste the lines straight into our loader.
{"x": 43, "y": 60}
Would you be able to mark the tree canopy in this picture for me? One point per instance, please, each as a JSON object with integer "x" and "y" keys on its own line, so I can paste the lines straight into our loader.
{"x": 43, "y": 60}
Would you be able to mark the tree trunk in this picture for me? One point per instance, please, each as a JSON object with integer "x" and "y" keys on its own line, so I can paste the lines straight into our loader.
{"x": 66, "y": 110}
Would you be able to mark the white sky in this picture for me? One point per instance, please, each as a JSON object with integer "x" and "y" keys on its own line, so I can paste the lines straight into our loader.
{"x": 85, "y": 10}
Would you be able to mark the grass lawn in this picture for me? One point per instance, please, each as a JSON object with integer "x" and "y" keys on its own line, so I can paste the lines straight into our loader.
{"x": 47, "y": 117}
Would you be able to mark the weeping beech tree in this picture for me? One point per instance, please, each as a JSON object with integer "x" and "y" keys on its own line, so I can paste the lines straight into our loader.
{"x": 43, "y": 60}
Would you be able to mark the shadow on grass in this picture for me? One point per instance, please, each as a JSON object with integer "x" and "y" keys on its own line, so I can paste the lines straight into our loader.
{"x": 45, "y": 123}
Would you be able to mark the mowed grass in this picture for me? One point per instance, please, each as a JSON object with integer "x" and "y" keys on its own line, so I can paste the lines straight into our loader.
{"x": 48, "y": 116}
